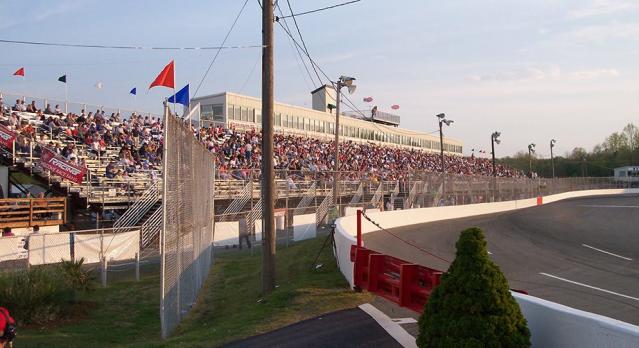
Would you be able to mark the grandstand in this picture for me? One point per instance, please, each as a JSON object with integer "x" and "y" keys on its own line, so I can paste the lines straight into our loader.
{"x": 122, "y": 153}
{"x": 233, "y": 110}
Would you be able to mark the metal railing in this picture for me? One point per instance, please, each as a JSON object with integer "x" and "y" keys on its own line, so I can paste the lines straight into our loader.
{"x": 141, "y": 207}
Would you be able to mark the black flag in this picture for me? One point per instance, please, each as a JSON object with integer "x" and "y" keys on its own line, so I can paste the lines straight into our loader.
{"x": 63, "y": 78}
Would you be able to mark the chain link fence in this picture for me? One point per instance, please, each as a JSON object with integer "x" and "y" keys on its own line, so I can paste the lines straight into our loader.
{"x": 187, "y": 234}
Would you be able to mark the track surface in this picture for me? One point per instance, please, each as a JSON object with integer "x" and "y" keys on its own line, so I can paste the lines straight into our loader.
{"x": 547, "y": 239}
{"x": 347, "y": 328}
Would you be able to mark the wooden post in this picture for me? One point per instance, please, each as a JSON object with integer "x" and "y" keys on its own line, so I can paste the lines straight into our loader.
{"x": 268, "y": 174}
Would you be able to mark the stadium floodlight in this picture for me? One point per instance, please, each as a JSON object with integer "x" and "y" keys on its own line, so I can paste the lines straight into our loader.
{"x": 343, "y": 81}
{"x": 442, "y": 121}
{"x": 494, "y": 139}
{"x": 531, "y": 150}
{"x": 552, "y": 157}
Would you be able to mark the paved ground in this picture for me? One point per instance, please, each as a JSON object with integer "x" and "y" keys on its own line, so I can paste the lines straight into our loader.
{"x": 582, "y": 253}
{"x": 346, "y": 328}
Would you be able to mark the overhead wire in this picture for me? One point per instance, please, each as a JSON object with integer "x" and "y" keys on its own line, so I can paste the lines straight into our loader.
{"x": 288, "y": 2}
{"x": 250, "y": 74}
{"x": 299, "y": 54}
{"x": 322, "y": 9}
{"x": 219, "y": 50}
{"x": 57, "y": 44}
{"x": 347, "y": 101}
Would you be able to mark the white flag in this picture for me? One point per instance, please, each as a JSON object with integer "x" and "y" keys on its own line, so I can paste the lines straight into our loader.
{"x": 98, "y": 85}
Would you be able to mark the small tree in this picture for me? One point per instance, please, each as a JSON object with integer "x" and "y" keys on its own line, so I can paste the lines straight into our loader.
{"x": 472, "y": 307}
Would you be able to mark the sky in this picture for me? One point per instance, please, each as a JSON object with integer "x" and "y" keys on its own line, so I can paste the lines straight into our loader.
{"x": 532, "y": 69}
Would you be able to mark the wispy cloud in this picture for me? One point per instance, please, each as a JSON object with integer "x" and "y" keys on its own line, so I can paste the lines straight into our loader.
{"x": 600, "y": 33}
{"x": 544, "y": 72}
{"x": 593, "y": 74}
{"x": 38, "y": 14}
{"x": 604, "y": 7}
{"x": 523, "y": 73}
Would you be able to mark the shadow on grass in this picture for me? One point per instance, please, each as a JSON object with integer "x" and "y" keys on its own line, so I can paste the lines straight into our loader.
{"x": 229, "y": 307}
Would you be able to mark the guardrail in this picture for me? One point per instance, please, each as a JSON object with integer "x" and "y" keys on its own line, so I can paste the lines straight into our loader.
{"x": 551, "y": 324}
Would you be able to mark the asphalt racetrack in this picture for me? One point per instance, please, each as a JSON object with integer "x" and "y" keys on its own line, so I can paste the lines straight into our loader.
{"x": 583, "y": 253}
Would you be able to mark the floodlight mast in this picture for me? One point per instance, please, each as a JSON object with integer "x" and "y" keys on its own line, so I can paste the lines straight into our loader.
{"x": 531, "y": 150}
{"x": 343, "y": 81}
{"x": 552, "y": 157}
{"x": 442, "y": 121}
{"x": 494, "y": 138}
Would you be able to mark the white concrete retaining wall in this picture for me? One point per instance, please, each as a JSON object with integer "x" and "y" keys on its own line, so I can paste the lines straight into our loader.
{"x": 555, "y": 325}
{"x": 551, "y": 324}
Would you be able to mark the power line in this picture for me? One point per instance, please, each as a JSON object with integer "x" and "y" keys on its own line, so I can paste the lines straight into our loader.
{"x": 302, "y": 39}
{"x": 319, "y": 9}
{"x": 39, "y": 43}
{"x": 347, "y": 101}
{"x": 250, "y": 74}
{"x": 299, "y": 54}
{"x": 219, "y": 50}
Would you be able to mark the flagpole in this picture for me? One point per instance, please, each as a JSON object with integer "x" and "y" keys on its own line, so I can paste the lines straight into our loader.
{"x": 174, "y": 93}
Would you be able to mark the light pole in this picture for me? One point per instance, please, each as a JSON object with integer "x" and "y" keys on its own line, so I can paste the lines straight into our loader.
{"x": 531, "y": 150}
{"x": 344, "y": 81}
{"x": 442, "y": 121}
{"x": 494, "y": 138}
{"x": 552, "y": 157}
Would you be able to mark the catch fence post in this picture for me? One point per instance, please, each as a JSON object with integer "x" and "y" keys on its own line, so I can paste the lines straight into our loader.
{"x": 104, "y": 272}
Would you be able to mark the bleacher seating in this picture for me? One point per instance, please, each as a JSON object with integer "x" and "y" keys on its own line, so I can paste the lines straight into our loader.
{"x": 123, "y": 155}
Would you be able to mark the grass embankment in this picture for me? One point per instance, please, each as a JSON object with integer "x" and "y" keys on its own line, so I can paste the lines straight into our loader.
{"x": 229, "y": 307}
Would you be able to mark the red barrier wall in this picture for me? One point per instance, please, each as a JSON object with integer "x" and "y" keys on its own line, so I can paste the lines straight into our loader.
{"x": 404, "y": 283}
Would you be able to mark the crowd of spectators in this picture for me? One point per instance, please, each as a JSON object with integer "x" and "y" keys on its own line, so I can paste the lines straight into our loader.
{"x": 239, "y": 152}
{"x": 138, "y": 140}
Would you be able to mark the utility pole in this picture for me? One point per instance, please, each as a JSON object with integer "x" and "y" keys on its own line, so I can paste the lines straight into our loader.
{"x": 268, "y": 174}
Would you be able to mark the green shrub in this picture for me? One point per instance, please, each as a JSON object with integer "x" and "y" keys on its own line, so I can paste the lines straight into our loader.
{"x": 472, "y": 307}
{"x": 76, "y": 277}
{"x": 37, "y": 295}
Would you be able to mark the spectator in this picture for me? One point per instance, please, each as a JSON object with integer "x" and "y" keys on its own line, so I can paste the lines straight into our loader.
{"x": 6, "y": 232}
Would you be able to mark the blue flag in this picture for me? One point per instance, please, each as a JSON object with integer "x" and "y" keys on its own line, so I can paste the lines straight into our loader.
{"x": 134, "y": 91}
{"x": 181, "y": 97}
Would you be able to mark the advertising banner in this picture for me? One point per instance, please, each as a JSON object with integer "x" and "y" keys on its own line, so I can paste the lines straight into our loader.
{"x": 58, "y": 165}
{"x": 7, "y": 136}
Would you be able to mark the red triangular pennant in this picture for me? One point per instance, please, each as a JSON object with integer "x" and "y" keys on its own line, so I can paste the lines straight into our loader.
{"x": 166, "y": 77}
{"x": 19, "y": 72}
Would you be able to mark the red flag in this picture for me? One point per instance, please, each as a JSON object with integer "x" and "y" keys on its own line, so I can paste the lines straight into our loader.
{"x": 19, "y": 72}
{"x": 166, "y": 77}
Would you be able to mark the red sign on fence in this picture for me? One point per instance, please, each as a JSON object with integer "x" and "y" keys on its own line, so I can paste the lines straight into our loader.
{"x": 58, "y": 165}
{"x": 7, "y": 136}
